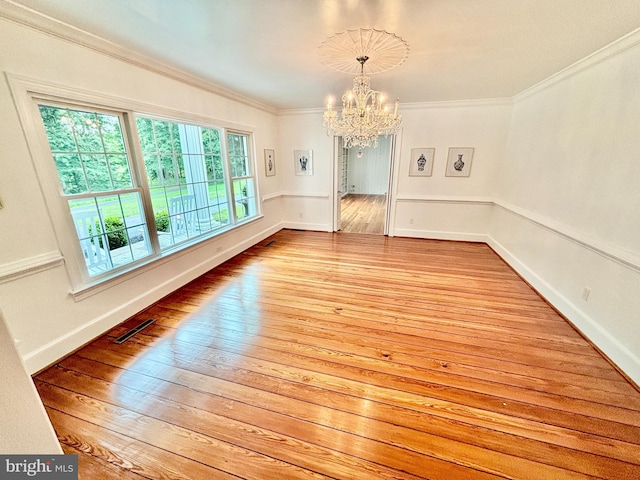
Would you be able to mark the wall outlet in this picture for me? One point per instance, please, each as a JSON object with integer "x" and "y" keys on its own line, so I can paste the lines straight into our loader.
{"x": 300, "y": 214}
{"x": 411, "y": 221}
{"x": 585, "y": 293}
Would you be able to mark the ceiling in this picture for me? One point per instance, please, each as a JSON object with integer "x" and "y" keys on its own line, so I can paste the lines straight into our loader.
{"x": 268, "y": 49}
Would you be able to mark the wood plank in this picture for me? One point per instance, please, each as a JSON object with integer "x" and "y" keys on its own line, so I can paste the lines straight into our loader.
{"x": 348, "y": 356}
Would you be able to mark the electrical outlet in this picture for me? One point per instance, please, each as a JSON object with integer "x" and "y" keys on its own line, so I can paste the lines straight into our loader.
{"x": 585, "y": 293}
{"x": 300, "y": 214}
{"x": 411, "y": 221}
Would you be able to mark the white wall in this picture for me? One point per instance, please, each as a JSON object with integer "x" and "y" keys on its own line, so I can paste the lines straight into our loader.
{"x": 454, "y": 208}
{"x": 306, "y": 200}
{"x": 369, "y": 174}
{"x": 568, "y": 201}
{"x": 426, "y": 207}
{"x": 23, "y": 420}
{"x": 34, "y": 285}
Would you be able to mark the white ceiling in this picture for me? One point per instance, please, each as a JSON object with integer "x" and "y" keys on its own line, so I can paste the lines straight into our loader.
{"x": 268, "y": 49}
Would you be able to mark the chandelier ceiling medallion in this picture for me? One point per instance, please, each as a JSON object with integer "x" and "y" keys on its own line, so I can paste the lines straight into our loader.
{"x": 364, "y": 115}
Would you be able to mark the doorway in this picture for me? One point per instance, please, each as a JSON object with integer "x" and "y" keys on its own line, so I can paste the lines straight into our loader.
{"x": 362, "y": 194}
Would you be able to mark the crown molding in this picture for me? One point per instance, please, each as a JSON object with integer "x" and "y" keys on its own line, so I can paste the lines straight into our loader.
{"x": 42, "y": 23}
{"x": 485, "y": 102}
{"x": 615, "y": 48}
{"x": 482, "y": 102}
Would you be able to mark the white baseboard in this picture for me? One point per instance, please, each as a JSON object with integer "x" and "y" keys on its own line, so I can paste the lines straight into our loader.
{"x": 626, "y": 360}
{"x": 317, "y": 227}
{"x": 71, "y": 341}
{"x": 440, "y": 235}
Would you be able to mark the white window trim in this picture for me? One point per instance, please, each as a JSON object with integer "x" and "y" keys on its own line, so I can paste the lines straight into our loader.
{"x": 27, "y": 92}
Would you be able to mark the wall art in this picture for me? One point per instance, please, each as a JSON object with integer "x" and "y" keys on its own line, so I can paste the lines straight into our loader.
{"x": 421, "y": 163}
{"x": 459, "y": 162}
{"x": 269, "y": 162}
{"x": 303, "y": 162}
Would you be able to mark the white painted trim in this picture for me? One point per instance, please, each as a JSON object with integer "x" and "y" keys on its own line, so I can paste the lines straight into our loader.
{"x": 445, "y": 199}
{"x": 29, "y": 266}
{"x": 603, "y": 248}
{"x": 61, "y": 346}
{"x": 304, "y": 195}
{"x": 482, "y": 102}
{"x": 271, "y": 196}
{"x": 617, "y": 47}
{"x": 316, "y": 227}
{"x": 626, "y": 360}
{"x": 606, "y": 249}
{"x": 441, "y": 235}
{"x": 29, "y": 87}
{"x": 487, "y": 102}
{"x": 50, "y": 26}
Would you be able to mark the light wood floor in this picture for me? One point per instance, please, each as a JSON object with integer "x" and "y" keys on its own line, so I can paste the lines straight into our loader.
{"x": 319, "y": 355}
{"x": 363, "y": 213}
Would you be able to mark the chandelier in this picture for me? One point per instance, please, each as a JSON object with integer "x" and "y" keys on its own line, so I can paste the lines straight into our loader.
{"x": 364, "y": 115}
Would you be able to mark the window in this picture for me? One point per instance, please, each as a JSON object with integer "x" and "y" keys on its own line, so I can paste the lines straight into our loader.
{"x": 125, "y": 209}
{"x": 186, "y": 177}
{"x": 243, "y": 187}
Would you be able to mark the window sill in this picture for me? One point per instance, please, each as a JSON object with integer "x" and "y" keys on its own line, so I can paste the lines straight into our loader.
{"x": 146, "y": 265}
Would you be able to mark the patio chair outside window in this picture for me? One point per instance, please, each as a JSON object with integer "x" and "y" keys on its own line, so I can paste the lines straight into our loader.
{"x": 183, "y": 215}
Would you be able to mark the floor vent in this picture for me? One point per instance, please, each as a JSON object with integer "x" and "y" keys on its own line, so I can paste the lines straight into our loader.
{"x": 270, "y": 243}
{"x": 133, "y": 331}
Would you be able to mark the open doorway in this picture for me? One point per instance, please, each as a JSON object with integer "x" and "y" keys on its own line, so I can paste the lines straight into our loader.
{"x": 362, "y": 178}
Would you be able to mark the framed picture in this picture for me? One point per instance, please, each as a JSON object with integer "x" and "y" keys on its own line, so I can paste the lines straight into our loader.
{"x": 269, "y": 162}
{"x": 421, "y": 164}
{"x": 303, "y": 162}
{"x": 459, "y": 162}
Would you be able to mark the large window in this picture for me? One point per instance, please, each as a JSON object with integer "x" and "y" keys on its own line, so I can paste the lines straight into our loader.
{"x": 133, "y": 197}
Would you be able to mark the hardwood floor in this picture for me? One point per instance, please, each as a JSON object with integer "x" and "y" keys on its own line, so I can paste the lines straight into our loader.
{"x": 363, "y": 213}
{"x": 318, "y": 355}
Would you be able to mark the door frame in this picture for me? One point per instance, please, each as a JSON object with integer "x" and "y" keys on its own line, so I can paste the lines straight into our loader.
{"x": 337, "y": 185}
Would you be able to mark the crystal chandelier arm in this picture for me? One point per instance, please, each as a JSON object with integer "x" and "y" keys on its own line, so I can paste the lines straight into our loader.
{"x": 364, "y": 117}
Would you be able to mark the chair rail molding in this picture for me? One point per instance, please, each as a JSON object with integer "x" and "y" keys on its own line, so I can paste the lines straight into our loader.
{"x": 606, "y": 249}
{"x": 30, "y": 266}
{"x": 445, "y": 199}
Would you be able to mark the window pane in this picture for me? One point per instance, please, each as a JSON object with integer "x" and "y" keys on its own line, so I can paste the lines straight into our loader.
{"x": 88, "y": 149}
{"x": 85, "y": 125}
{"x": 153, "y": 169}
{"x": 211, "y": 141}
{"x": 70, "y": 173}
{"x": 89, "y": 225}
{"x": 169, "y": 170}
{"x": 244, "y": 198}
{"x": 111, "y": 133}
{"x": 59, "y": 128}
{"x": 188, "y": 192}
{"x": 119, "y": 168}
{"x": 238, "y": 155}
{"x": 97, "y": 172}
{"x": 243, "y": 188}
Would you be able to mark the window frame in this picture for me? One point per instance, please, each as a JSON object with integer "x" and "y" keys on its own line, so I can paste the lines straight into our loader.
{"x": 29, "y": 93}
